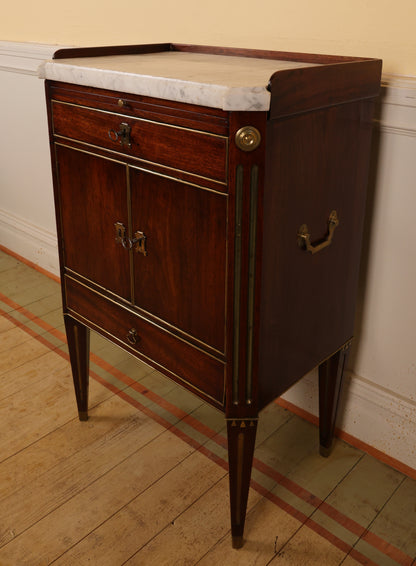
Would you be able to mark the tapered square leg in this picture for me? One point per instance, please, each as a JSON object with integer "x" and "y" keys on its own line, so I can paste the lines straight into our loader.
{"x": 241, "y": 441}
{"x": 78, "y": 337}
{"x": 331, "y": 374}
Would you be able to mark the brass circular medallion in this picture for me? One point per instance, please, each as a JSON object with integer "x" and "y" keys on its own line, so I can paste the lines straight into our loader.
{"x": 248, "y": 138}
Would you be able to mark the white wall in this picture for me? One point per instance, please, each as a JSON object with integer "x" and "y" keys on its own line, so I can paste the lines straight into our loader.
{"x": 27, "y": 220}
{"x": 379, "y": 401}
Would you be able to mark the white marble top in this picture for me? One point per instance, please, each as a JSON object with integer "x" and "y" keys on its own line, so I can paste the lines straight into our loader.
{"x": 218, "y": 81}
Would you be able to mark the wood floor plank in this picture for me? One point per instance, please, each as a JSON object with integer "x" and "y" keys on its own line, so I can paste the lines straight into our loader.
{"x": 308, "y": 548}
{"x": 20, "y": 354}
{"x": 397, "y": 522}
{"x": 267, "y": 529}
{"x": 148, "y": 514}
{"x": 22, "y": 277}
{"x": 31, "y": 292}
{"x": 7, "y": 262}
{"x": 289, "y": 445}
{"x": 19, "y": 274}
{"x": 12, "y": 337}
{"x": 36, "y": 409}
{"x": 349, "y": 561}
{"x": 189, "y": 537}
{"x": 46, "y": 304}
{"x": 56, "y": 533}
{"x": 65, "y": 480}
{"x": 5, "y": 325}
{"x": 358, "y": 496}
{"x": 321, "y": 475}
{"x": 25, "y": 467}
{"x": 33, "y": 371}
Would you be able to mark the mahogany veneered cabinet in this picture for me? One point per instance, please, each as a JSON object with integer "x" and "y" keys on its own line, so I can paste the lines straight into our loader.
{"x": 218, "y": 243}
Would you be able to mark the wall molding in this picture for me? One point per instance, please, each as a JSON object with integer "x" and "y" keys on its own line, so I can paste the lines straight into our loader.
{"x": 29, "y": 241}
{"x": 24, "y": 58}
{"x": 399, "y": 89}
{"x": 395, "y": 113}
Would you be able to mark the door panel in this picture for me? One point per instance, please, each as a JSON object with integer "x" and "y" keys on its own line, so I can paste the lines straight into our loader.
{"x": 182, "y": 278}
{"x": 93, "y": 195}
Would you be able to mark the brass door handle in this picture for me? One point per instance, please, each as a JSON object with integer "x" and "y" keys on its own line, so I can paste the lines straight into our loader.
{"x": 121, "y": 237}
{"x": 304, "y": 237}
{"x": 138, "y": 242}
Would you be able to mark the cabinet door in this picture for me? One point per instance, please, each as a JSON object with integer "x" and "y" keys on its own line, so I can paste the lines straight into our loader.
{"x": 182, "y": 278}
{"x": 93, "y": 196}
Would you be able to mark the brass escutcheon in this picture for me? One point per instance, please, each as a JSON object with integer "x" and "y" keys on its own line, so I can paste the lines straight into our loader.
{"x": 248, "y": 138}
{"x": 122, "y": 136}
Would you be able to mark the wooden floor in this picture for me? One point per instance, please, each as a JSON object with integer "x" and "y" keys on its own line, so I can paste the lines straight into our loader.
{"x": 144, "y": 481}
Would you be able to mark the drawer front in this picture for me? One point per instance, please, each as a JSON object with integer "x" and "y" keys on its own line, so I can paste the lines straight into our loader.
{"x": 195, "y": 152}
{"x": 172, "y": 356}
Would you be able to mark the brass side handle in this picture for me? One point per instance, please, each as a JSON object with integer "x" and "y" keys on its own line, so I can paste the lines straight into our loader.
{"x": 132, "y": 336}
{"x": 304, "y": 237}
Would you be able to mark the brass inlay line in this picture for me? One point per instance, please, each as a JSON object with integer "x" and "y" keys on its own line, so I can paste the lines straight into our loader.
{"x": 111, "y": 113}
{"x": 177, "y": 179}
{"x": 123, "y": 162}
{"x": 130, "y": 232}
{"x": 73, "y": 275}
{"x": 125, "y": 307}
{"x": 152, "y": 363}
{"x": 251, "y": 281}
{"x": 237, "y": 279}
{"x": 239, "y": 482}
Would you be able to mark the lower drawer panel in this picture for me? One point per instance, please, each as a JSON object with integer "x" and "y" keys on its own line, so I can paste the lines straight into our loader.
{"x": 173, "y": 357}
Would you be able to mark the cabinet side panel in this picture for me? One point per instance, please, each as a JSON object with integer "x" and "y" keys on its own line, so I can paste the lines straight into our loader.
{"x": 317, "y": 162}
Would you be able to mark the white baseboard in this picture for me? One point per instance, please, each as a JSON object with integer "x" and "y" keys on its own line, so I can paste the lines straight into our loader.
{"x": 376, "y": 416}
{"x": 31, "y": 242}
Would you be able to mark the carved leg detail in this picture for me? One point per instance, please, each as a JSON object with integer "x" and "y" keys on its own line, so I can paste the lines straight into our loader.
{"x": 241, "y": 440}
{"x": 331, "y": 373}
{"x": 78, "y": 337}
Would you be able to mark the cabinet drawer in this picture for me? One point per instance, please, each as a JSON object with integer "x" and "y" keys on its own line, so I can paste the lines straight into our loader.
{"x": 164, "y": 351}
{"x": 195, "y": 152}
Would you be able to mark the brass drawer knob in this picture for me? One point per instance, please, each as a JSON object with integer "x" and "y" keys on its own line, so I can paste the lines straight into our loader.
{"x": 132, "y": 336}
{"x": 248, "y": 138}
